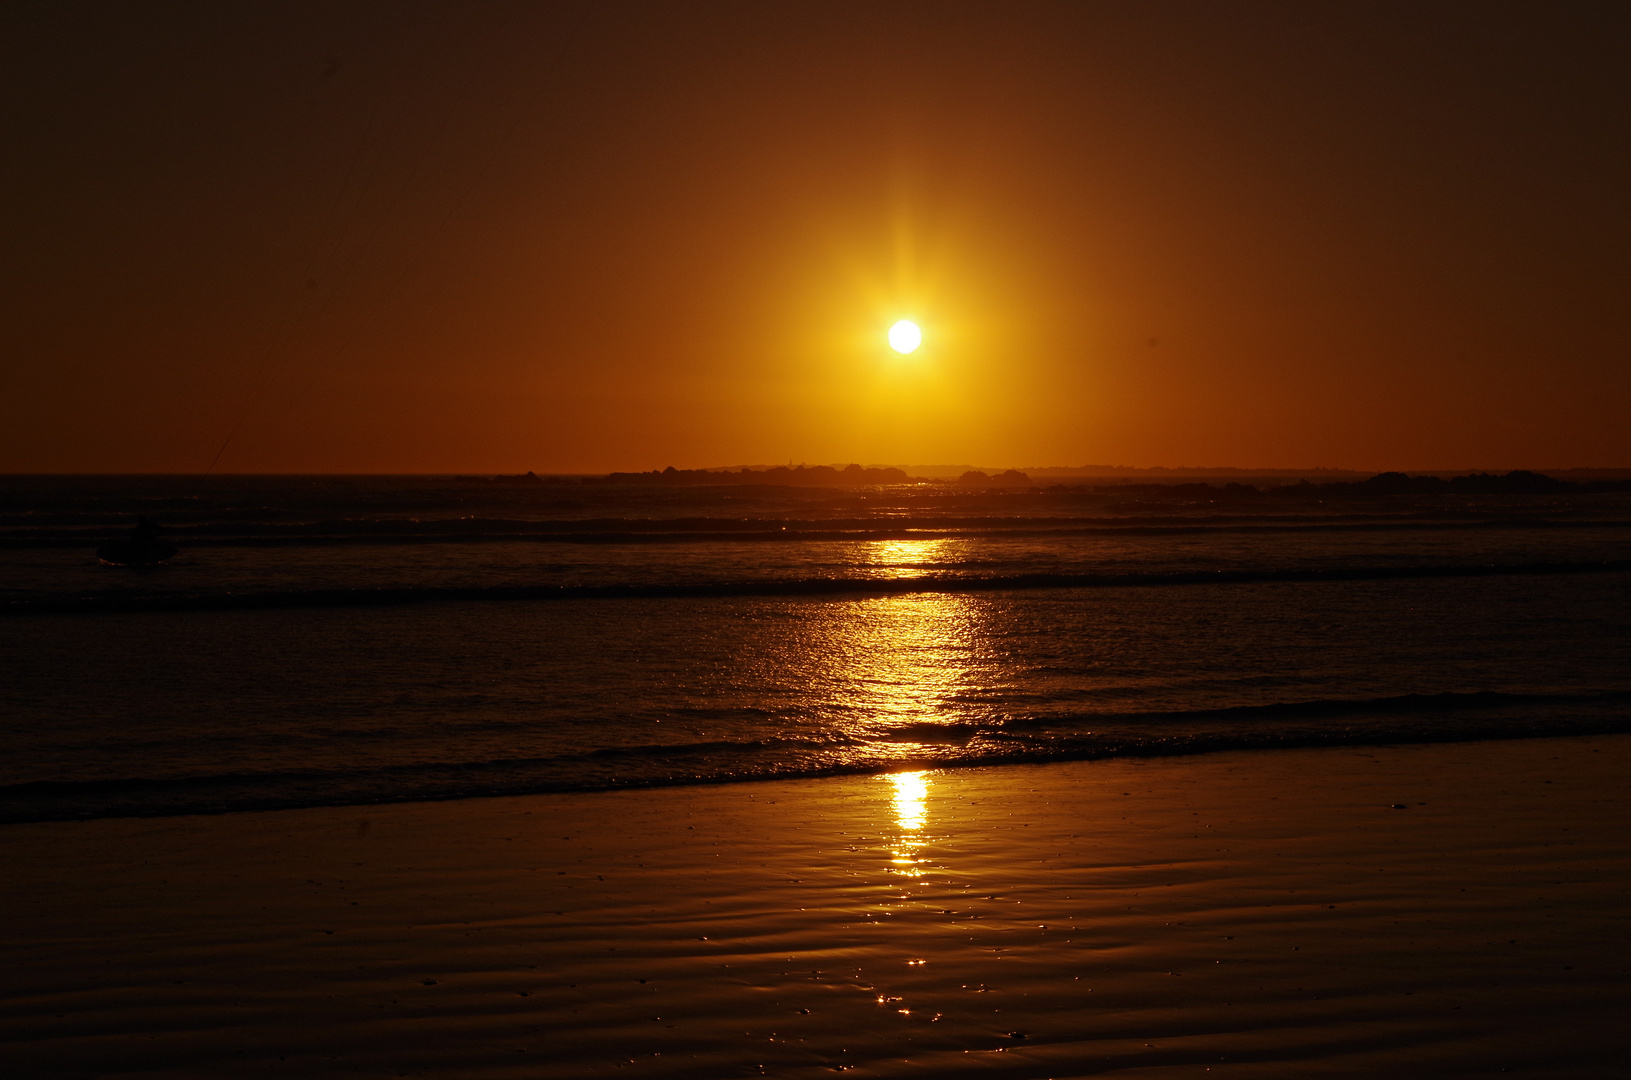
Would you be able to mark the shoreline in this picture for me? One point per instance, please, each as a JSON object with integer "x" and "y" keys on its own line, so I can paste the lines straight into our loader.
{"x": 1253, "y": 914}
{"x": 1175, "y": 747}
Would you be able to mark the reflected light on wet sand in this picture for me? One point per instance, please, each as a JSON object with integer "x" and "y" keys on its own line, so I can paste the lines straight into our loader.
{"x": 911, "y": 789}
{"x": 909, "y": 804}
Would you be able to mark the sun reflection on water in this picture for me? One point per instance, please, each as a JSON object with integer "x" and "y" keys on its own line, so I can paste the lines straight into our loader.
{"x": 911, "y": 789}
{"x": 911, "y": 876}
{"x": 898, "y": 666}
{"x": 903, "y": 558}
{"x": 909, "y": 803}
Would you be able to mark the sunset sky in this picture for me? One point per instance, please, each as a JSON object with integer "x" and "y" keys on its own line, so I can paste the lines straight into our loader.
{"x": 440, "y": 237}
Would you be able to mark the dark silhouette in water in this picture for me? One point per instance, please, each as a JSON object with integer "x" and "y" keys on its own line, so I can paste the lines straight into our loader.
{"x": 141, "y": 548}
{"x": 780, "y": 476}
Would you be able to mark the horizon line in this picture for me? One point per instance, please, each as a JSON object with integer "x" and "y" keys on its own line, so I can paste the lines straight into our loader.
{"x": 1079, "y": 470}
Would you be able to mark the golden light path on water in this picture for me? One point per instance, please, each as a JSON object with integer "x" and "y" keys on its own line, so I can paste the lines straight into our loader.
{"x": 903, "y": 664}
{"x": 903, "y": 558}
{"x": 901, "y": 670}
{"x": 898, "y": 666}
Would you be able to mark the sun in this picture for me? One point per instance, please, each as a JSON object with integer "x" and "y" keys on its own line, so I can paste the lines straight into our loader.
{"x": 905, "y": 337}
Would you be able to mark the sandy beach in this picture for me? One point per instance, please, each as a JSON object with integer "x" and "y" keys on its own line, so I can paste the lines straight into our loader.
{"x": 1441, "y": 910}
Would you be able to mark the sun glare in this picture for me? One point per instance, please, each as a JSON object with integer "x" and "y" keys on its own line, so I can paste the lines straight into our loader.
{"x": 905, "y": 337}
{"x": 911, "y": 789}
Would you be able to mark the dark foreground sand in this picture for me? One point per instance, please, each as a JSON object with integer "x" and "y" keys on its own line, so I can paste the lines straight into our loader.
{"x": 1243, "y": 914}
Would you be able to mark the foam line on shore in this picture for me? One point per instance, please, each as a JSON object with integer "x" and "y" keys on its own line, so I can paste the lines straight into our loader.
{"x": 1117, "y": 736}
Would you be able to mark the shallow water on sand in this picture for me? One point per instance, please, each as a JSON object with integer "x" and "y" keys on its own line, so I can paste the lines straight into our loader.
{"x": 1413, "y": 912}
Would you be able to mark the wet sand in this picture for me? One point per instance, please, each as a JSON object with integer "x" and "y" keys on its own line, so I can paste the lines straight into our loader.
{"x": 1251, "y": 914}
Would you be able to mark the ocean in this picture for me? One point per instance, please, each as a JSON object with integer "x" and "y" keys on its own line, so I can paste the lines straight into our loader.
{"x": 354, "y": 640}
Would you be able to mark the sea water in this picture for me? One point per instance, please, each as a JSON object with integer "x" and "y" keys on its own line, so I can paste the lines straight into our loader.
{"x": 338, "y": 640}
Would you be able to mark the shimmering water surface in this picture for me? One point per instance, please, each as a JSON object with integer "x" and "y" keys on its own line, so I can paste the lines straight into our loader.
{"x": 335, "y": 640}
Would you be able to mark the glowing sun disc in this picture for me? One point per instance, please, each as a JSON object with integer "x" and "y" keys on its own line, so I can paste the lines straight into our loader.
{"x": 905, "y": 337}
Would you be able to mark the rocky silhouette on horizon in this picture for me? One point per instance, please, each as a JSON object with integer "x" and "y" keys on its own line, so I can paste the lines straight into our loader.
{"x": 800, "y": 476}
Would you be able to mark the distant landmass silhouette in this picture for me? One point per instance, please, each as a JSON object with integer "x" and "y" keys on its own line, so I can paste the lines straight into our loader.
{"x": 780, "y": 475}
{"x": 1008, "y": 478}
{"x": 1155, "y": 482}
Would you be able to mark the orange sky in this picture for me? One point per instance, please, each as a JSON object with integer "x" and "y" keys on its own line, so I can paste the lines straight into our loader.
{"x": 497, "y": 237}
